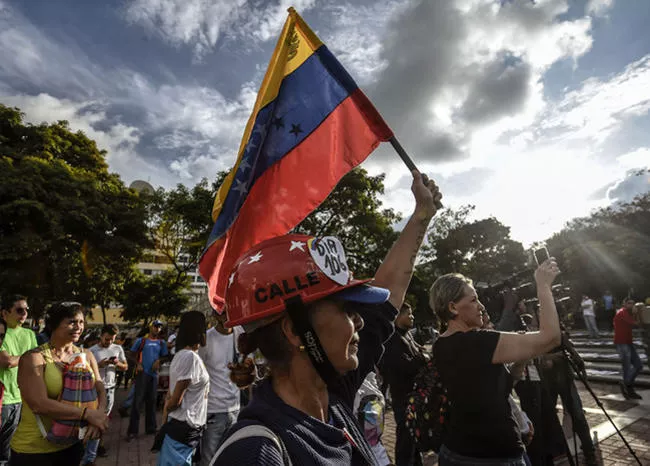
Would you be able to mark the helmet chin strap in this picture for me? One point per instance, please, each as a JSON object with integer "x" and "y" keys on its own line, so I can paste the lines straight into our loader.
{"x": 298, "y": 314}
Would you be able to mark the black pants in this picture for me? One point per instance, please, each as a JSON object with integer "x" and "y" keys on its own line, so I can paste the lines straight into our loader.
{"x": 405, "y": 452}
{"x": 70, "y": 456}
{"x": 145, "y": 394}
{"x": 530, "y": 396}
{"x": 559, "y": 381}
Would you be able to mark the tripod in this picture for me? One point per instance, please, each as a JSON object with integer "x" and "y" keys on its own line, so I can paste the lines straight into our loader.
{"x": 553, "y": 425}
{"x": 582, "y": 376}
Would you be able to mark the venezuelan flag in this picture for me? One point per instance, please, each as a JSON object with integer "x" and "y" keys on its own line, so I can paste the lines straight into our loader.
{"x": 311, "y": 124}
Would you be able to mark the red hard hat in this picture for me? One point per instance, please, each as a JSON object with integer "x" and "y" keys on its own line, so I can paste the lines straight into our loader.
{"x": 287, "y": 266}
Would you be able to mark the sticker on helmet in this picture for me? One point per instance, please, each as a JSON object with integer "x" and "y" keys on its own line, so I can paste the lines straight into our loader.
{"x": 329, "y": 255}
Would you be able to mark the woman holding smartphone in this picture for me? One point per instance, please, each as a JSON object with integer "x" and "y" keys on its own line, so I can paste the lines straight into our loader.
{"x": 471, "y": 363}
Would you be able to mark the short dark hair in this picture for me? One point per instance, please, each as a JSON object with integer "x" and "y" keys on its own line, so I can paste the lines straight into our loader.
{"x": 110, "y": 329}
{"x": 8, "y": 301}
{"x": 191, "y": 330}
{"x": 406, "y": 307}
{"x": 58, "y": 312}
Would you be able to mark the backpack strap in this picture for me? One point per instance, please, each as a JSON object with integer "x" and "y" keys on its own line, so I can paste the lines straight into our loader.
{"x": 254, "y": 430}
{"x": 138, "y": 353}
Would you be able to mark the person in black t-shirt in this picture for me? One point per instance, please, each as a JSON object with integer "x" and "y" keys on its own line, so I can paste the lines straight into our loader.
{"x": 320, "y": 332}
{"x": 471, "y": 366}
{"x": 399, "y": 366}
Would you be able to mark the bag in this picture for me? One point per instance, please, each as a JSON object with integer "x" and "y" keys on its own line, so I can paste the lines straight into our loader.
{"x": 254, "y": 430}
{"x": 427, "y": 409}
{"x": 139, "y": 352}
{"x": 369, "y": 407}
{"x": 174, "y": 453}
{"x": 79, "y": 391}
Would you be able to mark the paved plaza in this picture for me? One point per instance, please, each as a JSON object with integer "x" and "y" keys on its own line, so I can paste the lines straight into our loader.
{"x": 631, "y": 417}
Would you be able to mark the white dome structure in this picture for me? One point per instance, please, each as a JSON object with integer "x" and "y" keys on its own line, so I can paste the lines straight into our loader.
{"x": 142, "y": 187}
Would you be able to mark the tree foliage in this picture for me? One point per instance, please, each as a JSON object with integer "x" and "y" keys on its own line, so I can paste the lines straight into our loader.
{"x": 147, "y": 298}
{"x": 180, "y": 222}
{"x": 480, "y": 249}
{"x": 57, "y": 199}
{"x": 610, "y": 249}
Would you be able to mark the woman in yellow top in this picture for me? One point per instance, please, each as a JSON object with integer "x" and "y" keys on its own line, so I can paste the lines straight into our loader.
{"x": 41, "y": 381}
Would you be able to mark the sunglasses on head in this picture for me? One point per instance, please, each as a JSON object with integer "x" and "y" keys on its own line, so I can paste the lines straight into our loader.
{"x": 70, "y": 304}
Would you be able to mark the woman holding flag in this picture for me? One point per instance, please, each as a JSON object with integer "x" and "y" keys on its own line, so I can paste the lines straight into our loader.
{"x": 321, "y": 332}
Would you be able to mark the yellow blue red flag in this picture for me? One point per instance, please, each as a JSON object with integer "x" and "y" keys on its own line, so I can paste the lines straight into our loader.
{"x": 311, "y": 124}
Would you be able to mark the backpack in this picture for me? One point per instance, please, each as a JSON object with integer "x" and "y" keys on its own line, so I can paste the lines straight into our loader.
{"x": 78, "y": 390}
{"x": 427, "y": 409}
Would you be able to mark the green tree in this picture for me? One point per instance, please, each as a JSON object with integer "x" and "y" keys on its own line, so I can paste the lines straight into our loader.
{"x": 481, "y": 249}
{"x": 180, "y": 222}
{"x": 57, "y": 197}
{"x": 353, "y": 213}
{"x": 147, "y": 298}
{"x": 607, "y": 250}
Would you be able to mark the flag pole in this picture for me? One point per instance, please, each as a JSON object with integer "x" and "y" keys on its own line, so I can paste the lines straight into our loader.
{"x": 402, "y": 153}
{"x": 406, "y": 159}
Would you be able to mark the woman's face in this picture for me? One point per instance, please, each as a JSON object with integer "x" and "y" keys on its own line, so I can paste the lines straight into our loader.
{"x": 468, "y": 309}
{"x": 337, "y": 327}
{"x": 71, "y": 328}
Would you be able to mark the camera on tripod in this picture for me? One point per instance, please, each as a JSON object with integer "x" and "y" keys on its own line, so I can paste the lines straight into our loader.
{"x": 507, "y": 294}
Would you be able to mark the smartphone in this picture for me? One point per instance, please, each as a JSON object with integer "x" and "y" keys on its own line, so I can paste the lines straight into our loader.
{"x": 541, "y": 255}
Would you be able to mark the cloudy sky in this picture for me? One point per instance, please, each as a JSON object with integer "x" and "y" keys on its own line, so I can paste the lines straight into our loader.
{"x": 534, "y": 111}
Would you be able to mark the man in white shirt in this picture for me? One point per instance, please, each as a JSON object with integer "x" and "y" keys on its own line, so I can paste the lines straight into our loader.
{"x": 110, "y": 357}
{"x": 589, "y": 316}
{"x": 223, "y": 399}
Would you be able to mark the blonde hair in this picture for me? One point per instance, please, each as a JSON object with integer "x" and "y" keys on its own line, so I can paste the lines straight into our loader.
{"x": 449, "y": 288}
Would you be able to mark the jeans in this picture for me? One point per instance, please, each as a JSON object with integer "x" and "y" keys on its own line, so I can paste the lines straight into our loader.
{"x": 631, "y": 363}
{"x": 216, "y": 426}
{"x": 10, "y": 419}
{"x": 126, "y": 404}
{"x": 146, "y": 391}
{"x": 69, "y": 456}
{"x": 90, "y": 454}
{"x": 590, "y": 323}
{"x": 449, "y": 458}
{"x": 405, "y": 452}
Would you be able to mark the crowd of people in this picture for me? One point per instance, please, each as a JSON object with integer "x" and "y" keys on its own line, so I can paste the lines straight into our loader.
{"x": 299, "y": 368}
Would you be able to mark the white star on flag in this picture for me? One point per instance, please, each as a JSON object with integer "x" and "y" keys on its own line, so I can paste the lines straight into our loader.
{"x": 297, "y": 245}
{"x": 244, "y": 165}
{"x": 231, "y": 280}
{"x": 255, "y": 258}
{"x": 260, "y": 129}
{"x": 241, "y": 187}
